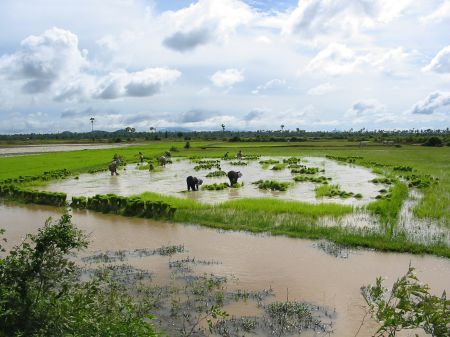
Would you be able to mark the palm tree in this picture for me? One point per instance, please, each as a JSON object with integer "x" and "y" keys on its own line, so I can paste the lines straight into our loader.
{"x": 92, "y": 123}
{"x": 152, "y": 128}
{"x": 282, "y": 127}
{"x": 223, "y": 128}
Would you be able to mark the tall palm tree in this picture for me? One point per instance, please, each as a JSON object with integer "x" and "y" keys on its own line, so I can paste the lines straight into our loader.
{"x": 92, "y": 123}
{"x": 223, "y": 127}
{"x": 282, "y": 127}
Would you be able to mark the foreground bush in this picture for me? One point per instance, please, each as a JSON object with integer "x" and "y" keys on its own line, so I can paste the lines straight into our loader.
{"x": 41, "y": 293}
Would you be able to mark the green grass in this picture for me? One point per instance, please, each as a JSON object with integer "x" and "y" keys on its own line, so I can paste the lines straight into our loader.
{"x": 331, "y": 191}
{"x": 275, "y": 216}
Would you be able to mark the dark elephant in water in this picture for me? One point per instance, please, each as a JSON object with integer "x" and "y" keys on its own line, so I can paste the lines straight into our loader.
{"x": 234, "y": 176}
{"x": 113, "y": 167}
{"x": 193, "y": 183}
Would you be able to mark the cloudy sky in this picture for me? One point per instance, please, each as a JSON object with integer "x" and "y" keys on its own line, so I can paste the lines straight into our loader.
{"x": 250, "y": 64}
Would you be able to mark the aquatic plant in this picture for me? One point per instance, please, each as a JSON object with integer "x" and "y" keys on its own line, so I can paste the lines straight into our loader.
{"x": 349, "y": 159}
{"x": 272, "y": 185}
{"x": 207, "y": 166}
{"x": 313, "y": 179}
{"x": 239, "y": 163}
{"x": 215, "y": 186}
{"x": 403, "y": 168}
{"x": 269, "y": 161}
{"x": 278, "y": 167}
{"x": 45, "y": 176}
{"x": 420, "y": 181}
{"x": 306, "y": 170}
{"x": 385, "y": 180}
{"x": 216, "y": 174}
{"x": 128, "y": 206}
{"x": 291, "y": 160}
{"x": 332, "y": 191}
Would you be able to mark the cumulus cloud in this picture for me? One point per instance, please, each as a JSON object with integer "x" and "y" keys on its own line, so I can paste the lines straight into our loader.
{"x": 441, "y": 13}
{"x": 322, "y": 89}
{"x": 336, "y": 59}
{"x": 143, "y": 83}
{"x": 369, "y": 110}
{"x": 275, "y": 83}
{"x": 432, "y": 103}
{"x": 441, "y": 62}
{"x": 227, "y": 78}
{"x": 205, "y": 21}
{"x": 313, "y": 18}
{"x": 44, "y": 60}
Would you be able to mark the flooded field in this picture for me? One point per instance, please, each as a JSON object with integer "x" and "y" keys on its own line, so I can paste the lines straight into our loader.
{"x": 7, "y": 151}
{"x": 171, "y": 180}
{"x": 303, "y": 269}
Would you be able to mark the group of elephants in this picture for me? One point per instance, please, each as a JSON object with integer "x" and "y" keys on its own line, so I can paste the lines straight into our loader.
{"x": 192, "y": 182}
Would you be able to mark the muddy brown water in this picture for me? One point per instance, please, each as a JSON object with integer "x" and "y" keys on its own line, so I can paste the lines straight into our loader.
{"x": 171, "y": 180}
{"x": 257, "y": 261}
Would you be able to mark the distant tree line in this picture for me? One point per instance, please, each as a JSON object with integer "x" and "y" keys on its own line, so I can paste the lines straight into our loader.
{"x": 431, "y": 137}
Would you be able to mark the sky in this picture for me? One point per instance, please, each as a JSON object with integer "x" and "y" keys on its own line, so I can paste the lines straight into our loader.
{"x": 248, "y": 64}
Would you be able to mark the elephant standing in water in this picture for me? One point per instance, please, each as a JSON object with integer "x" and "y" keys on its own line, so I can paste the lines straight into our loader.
{"x": 113, "y": 167}
{"x": 234, "y": 176}
{"x": 193, "y": 183}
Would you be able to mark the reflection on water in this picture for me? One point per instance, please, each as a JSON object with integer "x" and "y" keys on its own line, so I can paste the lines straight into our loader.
{"x": 257, "y": 261}
{"x": 172, "y": 181}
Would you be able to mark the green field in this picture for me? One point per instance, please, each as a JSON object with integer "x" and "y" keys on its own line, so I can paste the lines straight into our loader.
{"x": 278, "y": 217}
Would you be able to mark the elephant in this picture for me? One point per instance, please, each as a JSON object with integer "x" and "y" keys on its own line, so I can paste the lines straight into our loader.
{"x": 193, "y": 183}
{"x": 113, "y": 167}
{"x": 162, "y": 161}
{"x": 234, "y": 176}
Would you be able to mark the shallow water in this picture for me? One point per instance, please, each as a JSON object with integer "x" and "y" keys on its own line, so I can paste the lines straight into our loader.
{"x": 8, "y": 151}
{"x": 258, "y": 261}
{"x": 171, "y": 180}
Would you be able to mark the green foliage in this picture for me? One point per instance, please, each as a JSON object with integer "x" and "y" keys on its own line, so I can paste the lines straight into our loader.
{"x": 216, "y": 174}
{"x": 420, "y": 181}
{"x": 46, "y": 176}
{"x": 403, "y": 168}
{"x": 318, "y": 180}
{"x": 238, "y": 163}
{"x": 187, "y": 145}
{"x": 389, "y": 206}
{"x": 269, "y": 161}
{"x": 348, "y": 159}
{"x": 215, "y": 186}
{"x": 128, "y": 206}
{"x": 27, "y": 195}
{"x": 291, "y": 160}
{"x": 408, "y": 305}
{"x": 433, "y": 141}
{"x": 278, "y": 167}
{"x": 306, "y": 170}
{"x": 272, "y": 185}
{"x": 207, "y": 165}
{"x": 39, "y": 282}
{"x": 386, "y": 181}
{"x": 333, "y": 191}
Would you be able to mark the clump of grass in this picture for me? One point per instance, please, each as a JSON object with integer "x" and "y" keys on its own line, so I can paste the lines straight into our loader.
{"x": 403, "y": 168}
{"x": 291, "y": 160}
{"x": 216, "y": 174}
{"x": 204, "y": 161}
{"x": 332, "y": 191}
{"x": 349, "y": 159}
{"x": 388, "y": 207}
{"x": 238, "y": 163}
{"x": 306, "y": 170}
{"x": 278, "y": 167}
{"x": 215, "y": 187}
{"x": 386, "y": 181}
{"x": 272, "y": 185}
{"x": 207, "y": 166}
{"x": 269, "y": 161}
{"x": 313, "y": 179}
{"x": 420, "y": 181}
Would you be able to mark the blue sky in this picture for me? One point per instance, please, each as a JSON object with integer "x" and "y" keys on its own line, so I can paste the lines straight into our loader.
{"x": 253, "y": 64}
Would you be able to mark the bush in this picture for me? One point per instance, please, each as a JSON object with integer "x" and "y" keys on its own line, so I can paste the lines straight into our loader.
{"x": 433, "y": 141}
{"x": 187, "y": 145}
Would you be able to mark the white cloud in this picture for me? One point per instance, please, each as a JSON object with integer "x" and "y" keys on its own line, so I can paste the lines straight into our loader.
{"x": 433, "y": 103}
{"x": 227, "y": 78}
{"x": 343, "y": 18}
{"x": 204, "y": 21}
{"x": 322, "y": 89}
{"x": 441, "y": 62}
{"x": 44, "y": 60}
{"x": 441, "y": 13}
{"x": 269, "y": 85}
{"x": 336, "y": 59}
{"x": 369, "y": 110}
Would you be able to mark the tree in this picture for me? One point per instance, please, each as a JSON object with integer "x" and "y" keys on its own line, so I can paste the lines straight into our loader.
{"x": 41, "y": 293}
{"x": 433, "y": 141}
{"x": 223, "y": 128}
{"x": 408, "y": 305}
{"x": 92, "y": 123}
{"x": 282, "y": 127}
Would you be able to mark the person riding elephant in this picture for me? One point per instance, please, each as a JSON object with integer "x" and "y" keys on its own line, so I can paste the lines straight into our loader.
{"x": 193, "y": 183}
{"x": 113, "y": 167}
{"x": 162, "y": 161}
{"x": 234, "y": 176}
